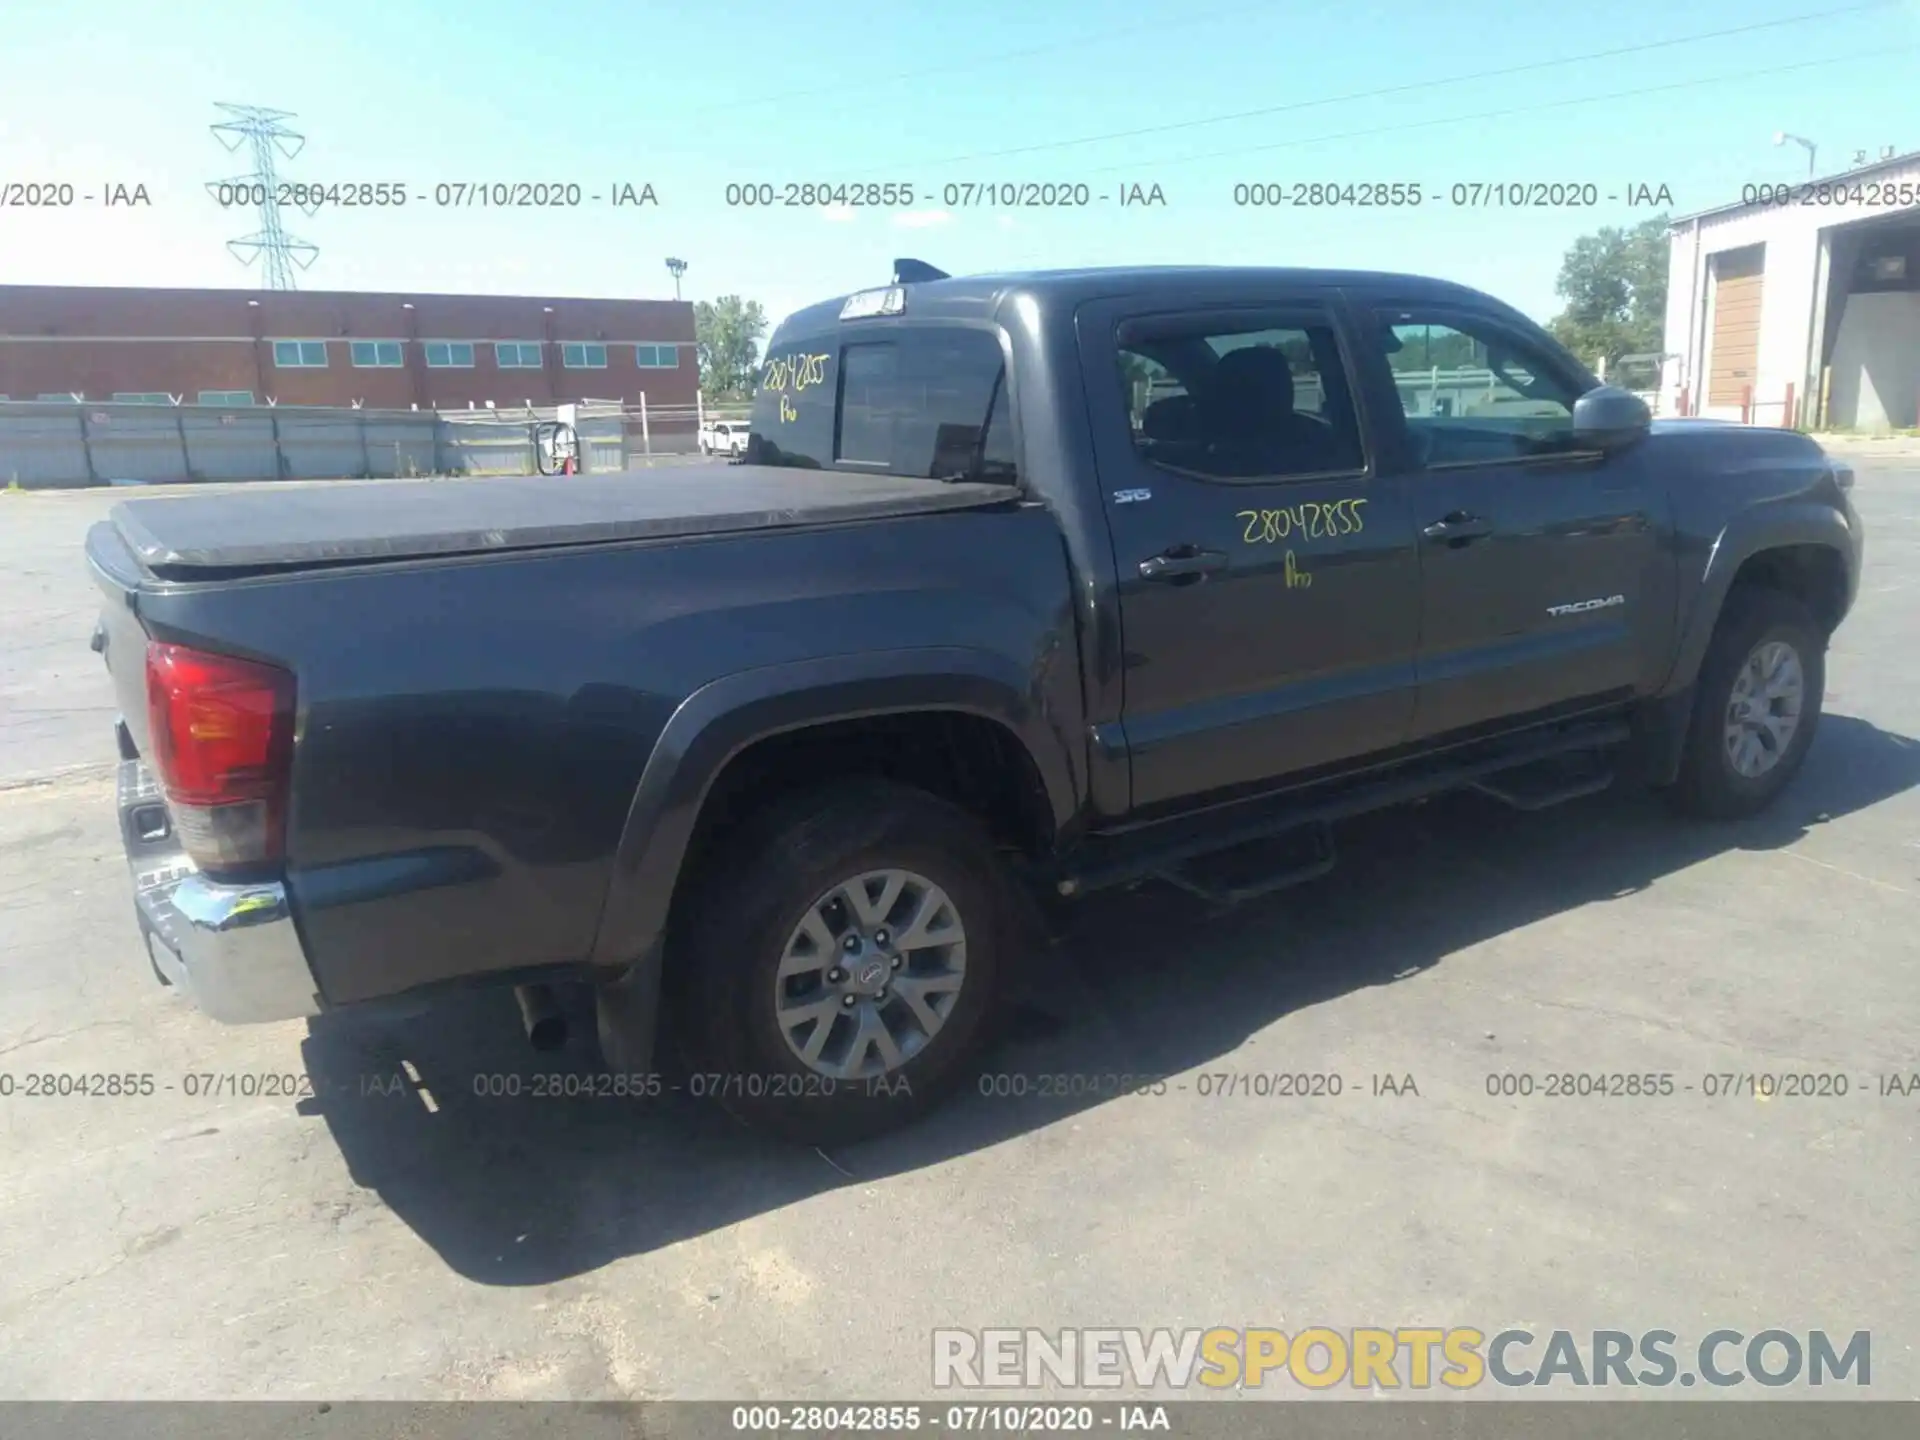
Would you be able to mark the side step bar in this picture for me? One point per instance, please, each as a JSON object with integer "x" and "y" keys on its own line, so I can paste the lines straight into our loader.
{"x": 1514, "y": 791}
{"x": 1279, "y": 873}
{"x": 1161, "y": 851}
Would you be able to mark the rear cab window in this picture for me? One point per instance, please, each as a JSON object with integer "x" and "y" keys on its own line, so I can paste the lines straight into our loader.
{"x": 923, "y": 400}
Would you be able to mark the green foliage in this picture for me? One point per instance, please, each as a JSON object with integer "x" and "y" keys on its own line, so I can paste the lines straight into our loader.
{"x": 1614, "y": 283}
{"x": 1427, "y": 347}
{"x": 728, "y": 332}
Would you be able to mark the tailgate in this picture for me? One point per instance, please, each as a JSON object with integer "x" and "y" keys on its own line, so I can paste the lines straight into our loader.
{"x": 120, "y": 638}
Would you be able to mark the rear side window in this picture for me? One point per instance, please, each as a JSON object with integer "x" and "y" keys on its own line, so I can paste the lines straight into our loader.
{"x": 1238, "y": 402}
{"x": 927, "y": 402}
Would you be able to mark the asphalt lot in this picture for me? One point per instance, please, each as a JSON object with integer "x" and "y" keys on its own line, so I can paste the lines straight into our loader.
{"x": 370, "y": 1245}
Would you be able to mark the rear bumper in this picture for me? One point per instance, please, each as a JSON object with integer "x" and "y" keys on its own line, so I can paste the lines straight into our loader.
{"x": 230, "y": 948}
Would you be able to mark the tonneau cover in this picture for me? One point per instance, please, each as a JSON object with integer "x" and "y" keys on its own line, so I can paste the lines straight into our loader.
{"x": 274, "y": 525}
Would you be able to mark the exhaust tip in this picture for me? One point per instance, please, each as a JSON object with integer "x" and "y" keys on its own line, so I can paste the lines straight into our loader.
{"x": 540, "y": 1015}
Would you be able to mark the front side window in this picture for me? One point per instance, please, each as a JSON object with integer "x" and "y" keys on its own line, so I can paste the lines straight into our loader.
{"x": 376, "y": 354}
{"x": 517, "y": 355}
{"x": 1473, "y": 392}
{"x": 300, "y": 354}
{"x": 226, "y": 397}
{"x": 928, "y": 402}
{"x": 1242, "y": 401}
{"x": 583, "y": 357}
{"x": 657, "y": 357}
{"x": 142, "y": 397}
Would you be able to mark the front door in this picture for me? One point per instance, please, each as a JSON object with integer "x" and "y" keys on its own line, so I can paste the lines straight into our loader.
{"x": 1543, "y": 586}
{"x": 1268, "y": 580}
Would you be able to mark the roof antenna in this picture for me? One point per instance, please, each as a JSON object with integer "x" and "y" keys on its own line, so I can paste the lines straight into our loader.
{"x": 914, "y": 272}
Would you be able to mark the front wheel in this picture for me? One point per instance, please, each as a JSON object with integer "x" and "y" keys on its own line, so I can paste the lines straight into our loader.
{"x": 1756, "y": 705}
{"x": 841, "y": 960}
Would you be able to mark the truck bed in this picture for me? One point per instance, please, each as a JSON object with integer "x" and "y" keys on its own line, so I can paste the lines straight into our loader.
{"x": 274, "y": 527}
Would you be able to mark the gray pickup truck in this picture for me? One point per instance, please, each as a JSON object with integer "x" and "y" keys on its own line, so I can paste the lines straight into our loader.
{"x": 1028, "y": 585}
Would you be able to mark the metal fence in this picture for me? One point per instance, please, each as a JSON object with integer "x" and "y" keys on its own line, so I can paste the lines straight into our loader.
{"x": 1434, "y": 391}
{"x": 51, "y": 445}
{"x": 46, "y": 445}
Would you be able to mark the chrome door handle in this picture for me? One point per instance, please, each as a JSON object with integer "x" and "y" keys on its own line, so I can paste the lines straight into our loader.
{"x": 1182, "y": 562}
{"x": 1458, "y": 528}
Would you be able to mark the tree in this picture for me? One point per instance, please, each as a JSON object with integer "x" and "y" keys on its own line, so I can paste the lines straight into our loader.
{"x": 727, "y": 333}
{"x": 1615, "y": 285}
{"x": 1430, "y": 347}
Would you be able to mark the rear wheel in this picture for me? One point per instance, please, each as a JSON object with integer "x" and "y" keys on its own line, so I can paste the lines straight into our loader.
{"x": 1756, "y": 706}
{"x": 840, "y": 962}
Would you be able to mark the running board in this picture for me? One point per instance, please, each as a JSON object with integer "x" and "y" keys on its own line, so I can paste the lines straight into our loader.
{"x": 1256, "y": 880}
{"x": 1162, "y": 849}
{"x": 1510, "y": 788}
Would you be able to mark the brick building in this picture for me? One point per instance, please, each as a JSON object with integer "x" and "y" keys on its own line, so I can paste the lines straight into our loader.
{"x": 239, "y": 347}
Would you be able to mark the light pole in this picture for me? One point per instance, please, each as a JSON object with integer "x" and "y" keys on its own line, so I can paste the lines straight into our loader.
{"x": 1781, "y": 137}
{"x": 676, "y": 267}
{"x": 413, "y": 358}
{"x": 546, "y": 359}
{"x": 259, "y": 342}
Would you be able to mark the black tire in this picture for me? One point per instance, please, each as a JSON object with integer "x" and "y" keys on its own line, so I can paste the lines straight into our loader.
{"x": 751, "y": 897}
{"x": 1709, "y": 785}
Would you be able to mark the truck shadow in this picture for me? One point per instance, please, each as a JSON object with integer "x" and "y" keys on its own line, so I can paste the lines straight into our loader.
{"x": 541, "y": 1183}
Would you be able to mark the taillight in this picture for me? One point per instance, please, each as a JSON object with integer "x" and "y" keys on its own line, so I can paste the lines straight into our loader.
{"x": 222, "y": 740}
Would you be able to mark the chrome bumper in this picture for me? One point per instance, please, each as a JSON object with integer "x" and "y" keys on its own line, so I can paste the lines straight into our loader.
{"x": 231, "y": 949}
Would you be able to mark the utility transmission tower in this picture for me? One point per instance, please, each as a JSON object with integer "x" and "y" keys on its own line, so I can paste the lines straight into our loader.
{"x": 265, "y": 136}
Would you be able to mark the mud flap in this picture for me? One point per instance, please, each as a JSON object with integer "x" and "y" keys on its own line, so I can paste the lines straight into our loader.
{"x": 627, "y": 1017}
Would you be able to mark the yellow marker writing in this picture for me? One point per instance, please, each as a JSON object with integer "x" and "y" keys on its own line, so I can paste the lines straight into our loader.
{"x": 1309, "y": 520}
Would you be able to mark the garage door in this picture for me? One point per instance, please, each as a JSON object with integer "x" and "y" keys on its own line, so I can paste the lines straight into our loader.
{"x": 1736, "y": 324}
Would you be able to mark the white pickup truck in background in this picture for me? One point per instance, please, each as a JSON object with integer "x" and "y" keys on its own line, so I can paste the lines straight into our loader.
{"x": 724, "y": 437}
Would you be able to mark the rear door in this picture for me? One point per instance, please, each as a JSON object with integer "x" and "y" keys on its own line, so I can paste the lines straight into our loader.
{"x": 1543, "y": 586}
{"x": 1268, "y": 580}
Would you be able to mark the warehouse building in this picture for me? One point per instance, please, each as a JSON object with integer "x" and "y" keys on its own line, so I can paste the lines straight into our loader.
{"x": 340, "y": 348}
{"x": 1799, "y": 304}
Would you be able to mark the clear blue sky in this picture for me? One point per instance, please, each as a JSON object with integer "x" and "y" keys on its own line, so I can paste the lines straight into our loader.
{"x": 690, "y": 97}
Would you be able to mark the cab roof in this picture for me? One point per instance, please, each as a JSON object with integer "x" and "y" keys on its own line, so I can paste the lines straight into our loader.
{"x": 963, "y": 297}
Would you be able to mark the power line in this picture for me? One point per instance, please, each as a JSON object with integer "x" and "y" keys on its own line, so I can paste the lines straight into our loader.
{"x": 1078, "y": 41}
{"x": 1513, "y": 110}
{"x": 1388, "y": 90}
{"x": 265, "y": 134}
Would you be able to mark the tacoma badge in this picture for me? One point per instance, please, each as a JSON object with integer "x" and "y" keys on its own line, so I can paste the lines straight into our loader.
{"x": 1580, "y": 607}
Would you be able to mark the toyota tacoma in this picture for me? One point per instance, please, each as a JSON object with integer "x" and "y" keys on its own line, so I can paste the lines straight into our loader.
{"x": 1026, "y": 587}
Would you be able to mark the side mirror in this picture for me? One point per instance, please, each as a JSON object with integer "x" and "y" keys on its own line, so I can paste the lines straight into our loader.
{"x": 1607, "y": 418}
